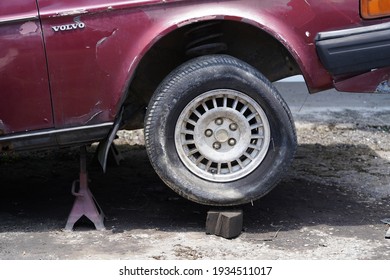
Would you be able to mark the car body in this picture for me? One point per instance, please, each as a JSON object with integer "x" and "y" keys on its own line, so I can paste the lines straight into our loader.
{"x": 73, "y": 72}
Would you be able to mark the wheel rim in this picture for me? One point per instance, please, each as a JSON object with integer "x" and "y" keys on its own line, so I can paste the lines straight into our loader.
{"x": 222, "y": 135}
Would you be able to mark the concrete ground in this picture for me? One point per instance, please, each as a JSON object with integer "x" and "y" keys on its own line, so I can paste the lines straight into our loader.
{"x": 329, "y": 206}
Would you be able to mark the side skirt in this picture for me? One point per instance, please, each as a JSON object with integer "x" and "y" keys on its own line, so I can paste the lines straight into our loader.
{"x": 52, "y": 138}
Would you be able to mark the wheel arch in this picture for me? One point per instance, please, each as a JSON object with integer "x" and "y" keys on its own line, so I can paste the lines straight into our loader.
{"x": 246, "y": 40}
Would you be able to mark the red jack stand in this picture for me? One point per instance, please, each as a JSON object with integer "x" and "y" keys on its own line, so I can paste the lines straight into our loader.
{"x": 85, "y": 203}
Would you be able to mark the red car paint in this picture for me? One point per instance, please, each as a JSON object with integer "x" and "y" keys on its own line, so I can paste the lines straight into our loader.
{"x": 25, "y": 96}
{"x": 70, "y": 63}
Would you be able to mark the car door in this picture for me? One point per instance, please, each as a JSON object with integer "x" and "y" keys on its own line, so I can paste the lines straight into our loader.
{"x": 82, "y": 66}
{"x": 91, "y": 46}
{"x": 25, "y": 103}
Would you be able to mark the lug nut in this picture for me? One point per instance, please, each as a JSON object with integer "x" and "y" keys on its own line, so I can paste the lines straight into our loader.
{"x": 232, "y": 142}
{"x": 217, "y": 145}
{"x": 208, "y": 133}
{"x": 233, "y": 126}
{"x": 219, "y": 121}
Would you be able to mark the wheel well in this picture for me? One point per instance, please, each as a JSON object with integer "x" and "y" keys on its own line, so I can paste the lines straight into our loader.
{"x": 238, "y": 39}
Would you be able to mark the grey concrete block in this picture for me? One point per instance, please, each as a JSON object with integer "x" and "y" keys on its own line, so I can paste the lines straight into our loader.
{"x": 227, "y": 224}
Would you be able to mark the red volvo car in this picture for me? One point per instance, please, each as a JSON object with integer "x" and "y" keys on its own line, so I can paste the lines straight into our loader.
{"x": 196, "y": 75}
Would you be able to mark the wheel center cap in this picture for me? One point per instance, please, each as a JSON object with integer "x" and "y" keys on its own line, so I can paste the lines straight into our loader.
{"x": 222, "y": 135}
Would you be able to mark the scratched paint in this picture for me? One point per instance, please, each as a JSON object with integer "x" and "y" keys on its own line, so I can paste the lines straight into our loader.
{"x": 28, "y": 28}
{"x": 383, "y": 87}
{"x": 102, "y": 47}
{"x": 95, "y": 116}
{"x": 3, "y": 128}
{"x": 73, "y": 12}
{"x": 8, "y": 58}
{"x": 101, "y": 41}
